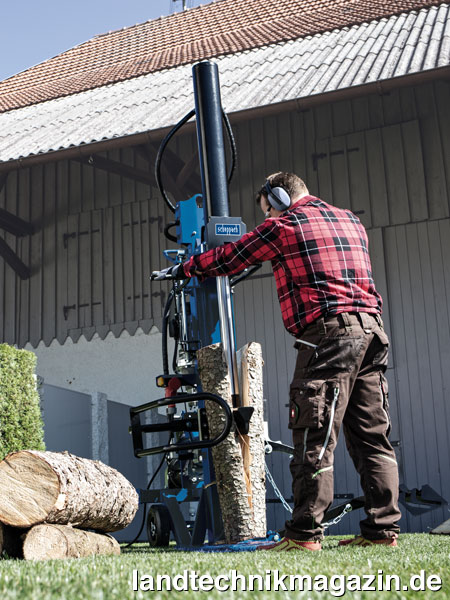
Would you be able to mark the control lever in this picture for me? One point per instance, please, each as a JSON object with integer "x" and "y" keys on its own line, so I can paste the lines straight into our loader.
{"x": 244, "y": 274}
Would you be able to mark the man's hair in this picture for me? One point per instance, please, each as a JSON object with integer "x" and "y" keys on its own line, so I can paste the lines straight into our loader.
{"x": 290, "y": 182}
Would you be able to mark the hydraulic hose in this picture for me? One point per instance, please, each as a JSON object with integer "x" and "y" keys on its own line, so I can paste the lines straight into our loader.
{"x": 169, "y": 235}
{"x": 161, "y": 152}
{"x": 166, "y": 140}
{"x": 232, "y": 145}
{"x": 174, "y": 358}
{"x": 145, "y": 505}
{"x": 165, "y": 324}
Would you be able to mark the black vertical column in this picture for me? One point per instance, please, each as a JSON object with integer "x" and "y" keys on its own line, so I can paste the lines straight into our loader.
{"x": 208, "y": 109}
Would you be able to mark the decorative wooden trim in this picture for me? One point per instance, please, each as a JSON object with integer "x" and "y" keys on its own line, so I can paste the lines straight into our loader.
{"x": 188, "y": 173}
{"x": 14, "y": 224}
{"x": 118, "y": 168}
{"x": 177, "y": 175}
{"x": 3, "y": 178}
{"x": 13, "y": 260}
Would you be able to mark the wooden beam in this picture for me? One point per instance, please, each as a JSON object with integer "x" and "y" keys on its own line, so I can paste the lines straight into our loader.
{"x": 3, "y": 178}
{"x": 179, "y": 177}
{"x": 188, "y": 172}
{"x": 14, "y": 224}
{"x": 118, "y": 168}
{"x": 13, "y": 260}
{"x": 168, "y": 173}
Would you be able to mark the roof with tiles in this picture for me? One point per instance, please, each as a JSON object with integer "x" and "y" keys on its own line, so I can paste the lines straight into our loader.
{"x": 297, "y": 70}
{"x": 217, "y": 29}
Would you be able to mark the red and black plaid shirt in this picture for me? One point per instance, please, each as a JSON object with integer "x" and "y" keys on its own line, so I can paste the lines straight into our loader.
{"x": 319, "y": 255}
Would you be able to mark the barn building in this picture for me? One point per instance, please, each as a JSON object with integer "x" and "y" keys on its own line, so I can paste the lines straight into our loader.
{"x": 353, "y": 95}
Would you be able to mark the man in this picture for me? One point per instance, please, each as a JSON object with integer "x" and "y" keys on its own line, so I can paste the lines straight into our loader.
{"x": 319, "y": 256}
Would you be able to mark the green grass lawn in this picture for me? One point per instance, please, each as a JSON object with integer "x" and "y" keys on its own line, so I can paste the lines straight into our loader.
{"x": 105, "y": 578}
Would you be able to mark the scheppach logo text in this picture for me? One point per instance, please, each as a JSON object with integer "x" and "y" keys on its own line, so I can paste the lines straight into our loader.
{"x": 228, "y": 229}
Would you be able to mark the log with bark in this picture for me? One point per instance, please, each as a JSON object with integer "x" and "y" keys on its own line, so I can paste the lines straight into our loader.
{"x": 62, "y": 488}
{"x": 254, "y": 443}
{"x": 238, "y": 460}
{"x": 48, "y": 541}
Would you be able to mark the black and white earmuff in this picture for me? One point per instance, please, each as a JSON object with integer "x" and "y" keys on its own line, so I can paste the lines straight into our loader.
{"x": 278, "y": 197}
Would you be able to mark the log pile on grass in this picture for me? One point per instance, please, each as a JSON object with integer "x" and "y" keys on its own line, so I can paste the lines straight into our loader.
{"x": 48, "y": 500}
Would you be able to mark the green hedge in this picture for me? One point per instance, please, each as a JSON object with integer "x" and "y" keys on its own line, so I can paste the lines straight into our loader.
{"x": 21, "y": 426}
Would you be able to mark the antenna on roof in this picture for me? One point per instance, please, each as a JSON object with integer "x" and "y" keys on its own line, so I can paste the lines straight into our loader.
{"x": 183, "y": 2}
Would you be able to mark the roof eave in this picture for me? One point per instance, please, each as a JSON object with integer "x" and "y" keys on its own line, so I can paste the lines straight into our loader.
{"x": 378, "y": 87}
{"x": 298, "y": 104}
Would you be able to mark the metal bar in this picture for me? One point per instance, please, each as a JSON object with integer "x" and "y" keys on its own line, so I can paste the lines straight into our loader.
{"x": 280, "y": 447}
{"x": 183, "y": 447}
{"x": 184, "y": 326}
{"x": 157, "y": 496}
{"x": 208, "y": 110}
{"x": 201, "y": 521}
{"x": 179, "y": 527}
{"x": 227, "y": 334}
{"x": 137, "y": 429}
{"x": 180, "y": 399}
{"x": 215, "y": 531}
{"x": 183, "y": 424}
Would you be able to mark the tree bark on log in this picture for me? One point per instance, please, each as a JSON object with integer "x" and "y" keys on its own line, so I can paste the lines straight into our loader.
{"x": 237, "y": 495}
{"x": 63, "y": 488}
{"x": 252, "y": 395}
{"x": 48, "y": 541}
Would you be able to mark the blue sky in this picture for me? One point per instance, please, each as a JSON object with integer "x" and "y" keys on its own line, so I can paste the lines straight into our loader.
{"x": 32, "y": 31}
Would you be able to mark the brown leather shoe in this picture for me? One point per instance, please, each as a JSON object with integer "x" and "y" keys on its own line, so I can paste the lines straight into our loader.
{"x": 286, "y": 544}
{"x": 359, "y": 540}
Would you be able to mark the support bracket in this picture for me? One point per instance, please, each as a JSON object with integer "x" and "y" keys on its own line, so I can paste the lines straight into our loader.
{"x": 13, "y": 260}
{"x": 18, "y": 227}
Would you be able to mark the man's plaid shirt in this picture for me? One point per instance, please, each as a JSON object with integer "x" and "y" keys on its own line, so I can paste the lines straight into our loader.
{"x": 319, "y": 255}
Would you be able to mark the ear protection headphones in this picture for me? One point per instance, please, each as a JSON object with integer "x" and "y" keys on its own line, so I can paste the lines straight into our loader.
{"x": 278, "y": 197}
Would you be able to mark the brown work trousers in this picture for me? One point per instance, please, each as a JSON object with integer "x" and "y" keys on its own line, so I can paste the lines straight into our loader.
{"x": 342, "y": 382}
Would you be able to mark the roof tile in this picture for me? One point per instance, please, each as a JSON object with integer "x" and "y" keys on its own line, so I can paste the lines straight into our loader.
{"x": 270, "y": 74}
{"x": 207, "y": 31}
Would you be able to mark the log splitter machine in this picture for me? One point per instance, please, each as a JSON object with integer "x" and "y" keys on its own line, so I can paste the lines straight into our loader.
{"x": 196, "y": 314}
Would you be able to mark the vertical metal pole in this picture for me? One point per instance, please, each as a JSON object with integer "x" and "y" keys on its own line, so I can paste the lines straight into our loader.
{"x": 227, "y": 334}
{"x": 208, "y": 108}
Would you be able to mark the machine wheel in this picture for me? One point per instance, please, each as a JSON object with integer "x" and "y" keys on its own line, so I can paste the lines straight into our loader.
{"x": 158, "y": 526}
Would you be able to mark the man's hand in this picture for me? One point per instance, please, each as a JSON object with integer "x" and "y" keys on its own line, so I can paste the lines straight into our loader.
{"x": 175, "y": 272}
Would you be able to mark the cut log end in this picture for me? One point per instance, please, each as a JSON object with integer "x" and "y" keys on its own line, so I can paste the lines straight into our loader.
{"x": 29, "y": 489}
{"x": 47, "y": 541}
